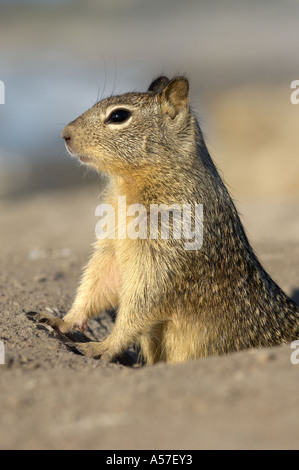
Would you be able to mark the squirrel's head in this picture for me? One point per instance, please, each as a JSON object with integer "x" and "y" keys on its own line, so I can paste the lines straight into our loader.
{"x": 122, "y": 134}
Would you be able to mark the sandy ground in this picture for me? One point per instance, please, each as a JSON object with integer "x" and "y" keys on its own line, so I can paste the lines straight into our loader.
{"x": 51, "y": 398}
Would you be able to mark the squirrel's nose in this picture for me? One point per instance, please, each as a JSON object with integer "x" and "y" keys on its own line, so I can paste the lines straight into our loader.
{"x": 66, "y": 133}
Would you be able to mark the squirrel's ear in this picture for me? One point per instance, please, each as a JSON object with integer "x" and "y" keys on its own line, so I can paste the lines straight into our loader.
{"x": 175, "y": 96}
{"x": 158, "y": 85}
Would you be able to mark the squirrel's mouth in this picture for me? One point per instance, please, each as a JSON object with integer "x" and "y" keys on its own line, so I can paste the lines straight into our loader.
{"x": 85, "y": 158}
{"x": 82, "y": 158}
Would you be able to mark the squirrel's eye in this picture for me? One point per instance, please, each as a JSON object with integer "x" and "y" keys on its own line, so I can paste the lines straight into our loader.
{"x": 118, "y": 116}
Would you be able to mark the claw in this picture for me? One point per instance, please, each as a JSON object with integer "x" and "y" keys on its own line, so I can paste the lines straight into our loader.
{"x": 40, "y": 317}
{"x": 73, "y": 347}
{"x": 32, "y": 315}
{"x": 44, "y": 318}
{"x": 89, "y": 349}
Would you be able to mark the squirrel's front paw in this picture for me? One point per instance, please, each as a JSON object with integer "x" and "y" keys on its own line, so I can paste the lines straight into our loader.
{"x": 51, "y": 320}
{"x": 91, "y": 349}
{"x": 57, "y": 323}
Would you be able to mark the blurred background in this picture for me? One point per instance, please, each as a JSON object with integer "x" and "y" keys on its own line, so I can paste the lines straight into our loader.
{"x": 57, "y": 58}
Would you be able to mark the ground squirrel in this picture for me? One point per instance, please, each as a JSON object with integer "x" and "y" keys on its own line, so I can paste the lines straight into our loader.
{"x": 177, "y": 304}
